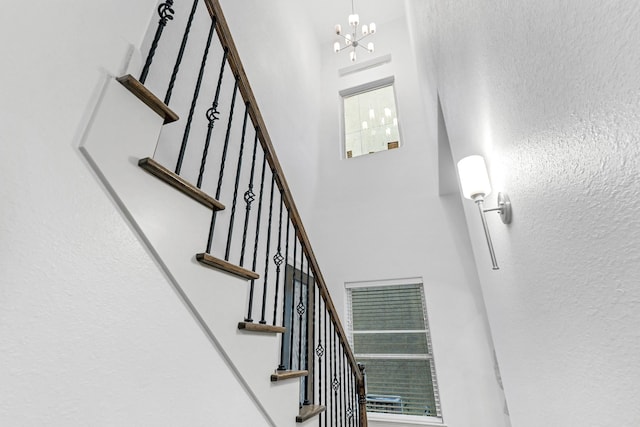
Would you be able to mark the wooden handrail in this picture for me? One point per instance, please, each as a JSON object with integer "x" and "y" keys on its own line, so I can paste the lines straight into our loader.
{"x": 235, "y": 64}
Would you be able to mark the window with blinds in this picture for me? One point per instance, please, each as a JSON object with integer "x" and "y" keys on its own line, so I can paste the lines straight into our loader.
{"x": 390, "y": 336}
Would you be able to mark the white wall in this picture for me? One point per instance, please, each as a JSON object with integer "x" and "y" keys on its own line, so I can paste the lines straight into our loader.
{"x": 92, "y": 333}
{"x": 379, "y": 216}
{"x": 548, "y": 92}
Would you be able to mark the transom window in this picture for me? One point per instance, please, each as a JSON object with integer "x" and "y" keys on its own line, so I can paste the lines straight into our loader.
{"x": 390, "y": 335}
{"x": 370, "y": 119}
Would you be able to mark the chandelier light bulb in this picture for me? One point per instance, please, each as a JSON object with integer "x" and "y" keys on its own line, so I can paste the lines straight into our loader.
{"x": 338, "y": 29}
{"x": 347, "y": 39}
{"x": 336, "y": 47}
{"x": 365, "y": 125}
{"x": 370, "y": 47}
{"x": 372, "y": 28}
{"x": 387, "y": 111}
{"x": 365, "y": 30}
{"x": 353, "y": 56}
{"x": 372, "y": 114}
{"x": 354, "y": 20}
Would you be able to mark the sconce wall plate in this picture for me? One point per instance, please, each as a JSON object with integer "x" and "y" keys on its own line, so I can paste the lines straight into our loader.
{"x": 504, "y": 204}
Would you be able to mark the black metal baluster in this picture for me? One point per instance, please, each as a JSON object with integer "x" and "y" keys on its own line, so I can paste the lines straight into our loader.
{"x": 224, "y": 158}
{"x": 249, "y": 197}
{"x": 183, "y": 45}
{"x": 320, "y": 353}
{"x": 342, "y": 388}
{"x": 284, "y": 309}
{"x": 277, "y": 260}
{"x": 256, "y": 241}
{"x": 300, "y": 308}
{"x": 334, "y": 380}
{"x": 309, "y": 338}
{"x": 349, "y": 413}
{"x": 226, "y": 140}
{"x": 237, "y": 183}
{"x": 267, "y": 251}
{"x": 293, "y": 296}
{"x": 212, "y": 115}
{"x": 326, "y": 366}
{"x": 314, "y": 308}
{"x": 166, "y": 14}
{"x": 354, "y": 398}
{"x": 194, "y": 100}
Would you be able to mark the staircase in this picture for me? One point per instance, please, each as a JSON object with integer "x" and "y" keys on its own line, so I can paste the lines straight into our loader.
{"x": 220, "y": 220}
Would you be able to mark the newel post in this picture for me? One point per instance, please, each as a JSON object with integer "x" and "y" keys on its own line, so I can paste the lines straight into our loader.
{"x": 362, "y": 396}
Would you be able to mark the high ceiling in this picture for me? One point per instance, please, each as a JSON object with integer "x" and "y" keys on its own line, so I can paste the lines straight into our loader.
{"x": 324, "y": 15}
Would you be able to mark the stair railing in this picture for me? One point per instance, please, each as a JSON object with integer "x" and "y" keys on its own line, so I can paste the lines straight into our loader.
{"x": 261, "y": 237}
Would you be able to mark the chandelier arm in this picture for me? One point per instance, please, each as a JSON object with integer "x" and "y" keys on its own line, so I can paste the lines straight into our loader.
{"x": 344, "y": 37}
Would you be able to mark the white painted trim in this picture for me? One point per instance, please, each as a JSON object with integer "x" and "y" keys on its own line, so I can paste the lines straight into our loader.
{"x": 406, "y": 419}
{"x": 392, "y": 331}
{"x": 395, "y": 356}
{"x": 365, "y": 65}
{"x": 390, "y": 282}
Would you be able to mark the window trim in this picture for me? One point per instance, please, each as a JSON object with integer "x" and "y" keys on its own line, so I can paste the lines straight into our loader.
{"x": 388, "y": 417}
{"x": 362, "y": 88}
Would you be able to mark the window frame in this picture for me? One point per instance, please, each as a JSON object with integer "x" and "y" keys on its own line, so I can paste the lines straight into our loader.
{"x": 390, "y": 417}
{"x": 363, "y": 88}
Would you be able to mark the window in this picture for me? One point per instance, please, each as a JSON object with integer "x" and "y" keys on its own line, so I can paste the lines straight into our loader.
{"x": 389, "y": 334}
{"x": 370, "y": 119}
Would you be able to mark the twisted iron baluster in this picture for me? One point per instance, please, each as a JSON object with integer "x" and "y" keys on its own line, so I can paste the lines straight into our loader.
{"x": 224, "y": 157}
{"x": 326, "y": 368}
{"x": 308, "y": 338}
{"x": 284, "y": 308}
{"x": 277, "y": 260}
{"x": 266, "y": 257}
{"x": 342, "y": 402}
{"x": 249, "y": 197}
{"x": 255, "y": 245}
{"x": 334, "y": 380}
{"x": 226, "y": 140}
{"x": 293, "y": 294}
{"x": 300, "y": 308}
{"x": 319, "y": 352}
{"x": 194, "y": 100}
{"x": 237, "y": 183}
{"x": 212, "y": 115}
{"x": 166, "y": 14}
{"x": 183, "y": 45}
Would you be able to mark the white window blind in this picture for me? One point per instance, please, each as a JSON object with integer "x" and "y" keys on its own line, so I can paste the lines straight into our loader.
{"x": 390, "y": 336}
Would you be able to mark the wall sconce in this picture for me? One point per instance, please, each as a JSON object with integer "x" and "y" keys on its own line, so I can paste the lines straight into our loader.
{"x": 474, "y": 181}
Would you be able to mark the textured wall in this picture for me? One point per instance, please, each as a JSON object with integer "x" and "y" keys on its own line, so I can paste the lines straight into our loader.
{"x": 91, "y": 331}
{"x": 548, "y": 92}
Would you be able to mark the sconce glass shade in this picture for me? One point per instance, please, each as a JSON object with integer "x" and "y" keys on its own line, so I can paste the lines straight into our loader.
{"x": 474, "y": 178}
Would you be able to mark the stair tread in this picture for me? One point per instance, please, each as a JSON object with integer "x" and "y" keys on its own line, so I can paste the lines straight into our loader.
{"x": 309, "y": 411}
{"x": 146, "y": 96}
{"x": 211, "y": 261}
{"x": 285, "y": 375}
{"x": 258, "y": 327}
{"x": 179, "y": 183}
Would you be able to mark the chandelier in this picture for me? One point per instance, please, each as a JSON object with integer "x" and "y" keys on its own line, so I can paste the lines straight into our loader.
{"x": 352, "y": 39}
